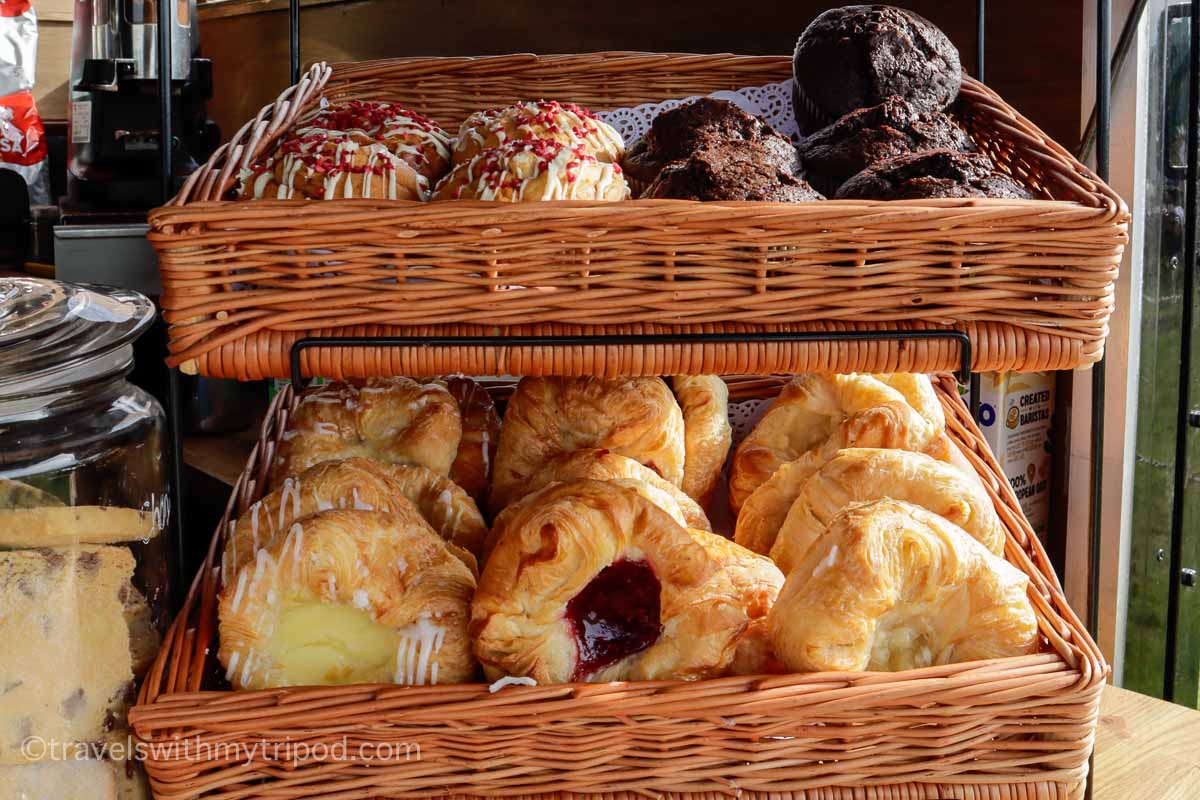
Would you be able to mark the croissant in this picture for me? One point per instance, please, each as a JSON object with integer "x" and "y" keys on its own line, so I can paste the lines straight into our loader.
{"x": 810, "y": 409}
{"x": 358, "y": 483}
{"x": 891, "y": 586}
{"x": 395, "y": 420}
{"x": 348, "y": 597}
{"x": 861, "y": 475}
{"x": 472, "y": 467}
{"x": 890, "y": 425}
{"x": 589, "y": 581}
{"x": 634, "y": 417}
{"x": 704, "y": 401}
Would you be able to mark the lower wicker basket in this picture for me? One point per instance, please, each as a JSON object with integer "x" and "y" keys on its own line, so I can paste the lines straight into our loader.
{"x": 1006, "y": 729}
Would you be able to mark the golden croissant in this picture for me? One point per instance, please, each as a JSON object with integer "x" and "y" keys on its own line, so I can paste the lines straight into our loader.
{"x": 811, "y": 408}
{"x": 891, "y": 586}
{"x": 546, "y": 417}
{"x": 861, "y": 475}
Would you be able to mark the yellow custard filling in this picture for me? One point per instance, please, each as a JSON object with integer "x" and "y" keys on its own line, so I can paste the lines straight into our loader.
{"x": 323, "y": 644}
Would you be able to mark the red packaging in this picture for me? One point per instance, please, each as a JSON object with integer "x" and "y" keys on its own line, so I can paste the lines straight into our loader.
{"x": 23, "y": 144}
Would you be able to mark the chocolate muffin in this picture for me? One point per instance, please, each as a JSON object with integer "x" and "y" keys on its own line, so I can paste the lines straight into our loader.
{"x": 856, "y": 56}
{"x": 706, "y": 122}
{"x": 732, "y": 171}
{"x": 934, "y": 173}
{"x": 866, "y": 136}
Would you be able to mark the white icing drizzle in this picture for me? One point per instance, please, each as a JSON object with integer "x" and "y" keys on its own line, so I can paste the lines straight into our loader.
{"x": 231, "y": 670}
{"x": 827, "y": 562}
{"x": 445, "y": 502}
{"x": 245, "y": 676}
{"x": 291, "y": 486}
{"x": 547, "y": 120}
{"x": 240, "y": 592}
{"x": 358, "y": 503}
{"x": 322, "y": 503}
{"x": 419, "y": 642}
{"x": 327, "y": 428}
{"x": 509, "y": 680}
{"x": 360, "y": 599}
{"x": 495, "y": 170}
{"x": 260, "y": 564}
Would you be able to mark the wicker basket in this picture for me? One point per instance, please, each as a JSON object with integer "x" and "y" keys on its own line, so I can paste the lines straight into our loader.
{"x": 1007, "y": 729}
{"x": 1030, "y": 281}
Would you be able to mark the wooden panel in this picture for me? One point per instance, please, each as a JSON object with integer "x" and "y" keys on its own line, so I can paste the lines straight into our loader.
{"x": 54, "y": 10}
{"x": 53, "y": 68}
{"x": 1145, "y": 748}
{"x": 1034, "y": 48}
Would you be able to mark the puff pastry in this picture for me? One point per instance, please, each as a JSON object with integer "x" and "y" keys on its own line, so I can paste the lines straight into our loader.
{"x": 635, "y": 417}
{"x": 890, "y": 425}
{"x": 472, "y": 467}
{"x": 410, "y": 136}
{"x": 809, "y": 410}
{"x": 704, "y": 401}
{"x": 395, "y": 420}
{"x": 861, "y": 475}
{"x": 364, "y": 485}
{"x": 604, "y": 465}
{"x": 565, "y": 123}
{"x": 589, "y": 581}
{"x": 318, "y": 164}
{"x": 349, "y": 597}
{"x": 890, "y": 587}
{"x": 532, "y": 170}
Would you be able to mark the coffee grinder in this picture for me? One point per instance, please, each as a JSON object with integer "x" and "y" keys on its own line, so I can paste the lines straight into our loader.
{"x": 113, "y": 140}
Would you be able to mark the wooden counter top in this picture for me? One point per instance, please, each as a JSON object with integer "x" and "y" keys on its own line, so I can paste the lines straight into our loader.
{"x": 1146, "y": 749}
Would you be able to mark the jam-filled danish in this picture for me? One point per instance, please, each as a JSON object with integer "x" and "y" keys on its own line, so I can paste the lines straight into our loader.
{"x": 591, "y": 582}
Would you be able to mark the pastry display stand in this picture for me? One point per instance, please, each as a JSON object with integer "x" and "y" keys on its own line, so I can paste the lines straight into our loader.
{"x": 970, "y": 722}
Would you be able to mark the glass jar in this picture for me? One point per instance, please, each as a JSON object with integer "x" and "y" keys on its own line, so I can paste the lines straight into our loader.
{"x": 84, "y": 564}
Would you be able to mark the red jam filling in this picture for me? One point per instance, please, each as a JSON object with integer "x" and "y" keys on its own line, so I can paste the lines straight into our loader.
{"x": 615, "y": 616}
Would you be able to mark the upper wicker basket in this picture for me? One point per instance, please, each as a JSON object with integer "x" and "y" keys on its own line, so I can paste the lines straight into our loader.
{"x": 1030, "y": 281}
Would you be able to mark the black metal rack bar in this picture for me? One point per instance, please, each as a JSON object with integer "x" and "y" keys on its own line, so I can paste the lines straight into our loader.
{"x": 964, "y": 371}
{"x": 166, "y": 141}
{"x": 980, "y": 63}
{"x": 1184, "y": 427}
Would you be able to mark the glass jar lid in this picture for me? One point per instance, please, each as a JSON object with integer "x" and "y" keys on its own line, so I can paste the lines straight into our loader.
{"x": 55, "y": 334}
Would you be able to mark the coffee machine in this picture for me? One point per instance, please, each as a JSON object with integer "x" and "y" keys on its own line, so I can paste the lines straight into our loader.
{"x": 113, "y": 131}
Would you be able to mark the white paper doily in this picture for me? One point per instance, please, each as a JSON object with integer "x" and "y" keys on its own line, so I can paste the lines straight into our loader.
{"x": 772, "y": 102}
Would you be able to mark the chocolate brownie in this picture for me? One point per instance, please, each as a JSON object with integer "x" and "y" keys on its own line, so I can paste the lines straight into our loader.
{"x": 836, "y": 153}
{"x": 856, "y": 56}
{"x": 934, "y": 173}
{"x": 734, "y": 171}
{"x": 706, "y": 122}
